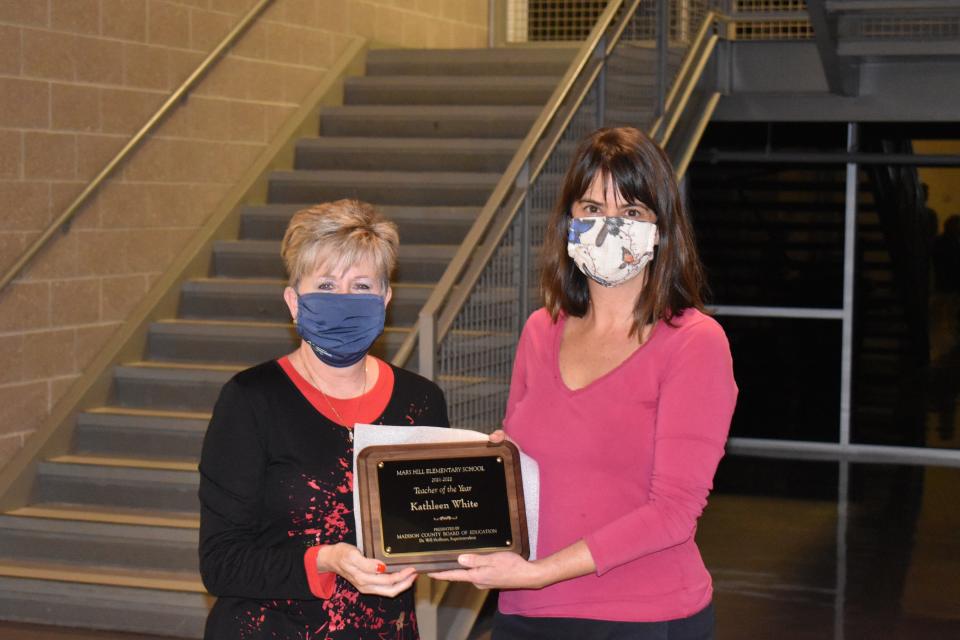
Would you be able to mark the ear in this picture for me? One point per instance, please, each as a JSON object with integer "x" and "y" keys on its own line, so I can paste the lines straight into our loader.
{"x": 656, "y": 236}
{"x": 386, "y": 298}
{"x": 290, "y": 297}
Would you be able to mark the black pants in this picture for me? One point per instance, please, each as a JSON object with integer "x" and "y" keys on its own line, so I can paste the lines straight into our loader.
{"x": 699, "y": 626}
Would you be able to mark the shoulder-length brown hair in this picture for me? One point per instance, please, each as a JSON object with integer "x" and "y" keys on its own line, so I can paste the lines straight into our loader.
{"x": 641, "y": 173}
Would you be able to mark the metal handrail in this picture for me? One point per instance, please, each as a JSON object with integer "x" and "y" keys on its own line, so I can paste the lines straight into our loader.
{"x": 427, "y": 316}
{"x": 137, "y": 138}
{"x": 696, "y": 58}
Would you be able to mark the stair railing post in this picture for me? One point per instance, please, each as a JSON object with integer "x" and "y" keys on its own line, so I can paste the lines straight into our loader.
{"x": 523, "y": 182}
{"x": 663, "y": 47}
{"x": 426, "y": 343}
{"x": 600, "y": 88}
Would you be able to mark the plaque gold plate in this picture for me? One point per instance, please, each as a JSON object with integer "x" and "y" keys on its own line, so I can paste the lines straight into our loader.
{"x": 422, "y": 505}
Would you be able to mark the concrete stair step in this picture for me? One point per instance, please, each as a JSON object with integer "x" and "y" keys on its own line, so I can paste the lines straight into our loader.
{"x": 162, "y": 603}
{"x": 405, "y": 154}
{"x": 417, "y": 224}
{"x": 131, "y": 516}
{"x": 169, "y": 386}
{"x": 452, "y": 90}
{"x": 113, "y": 431}
{"x": 243, "y": 343}
{"x": 428, "y": 121}
{"x": 261, "y": 259}
{"x": 118, "y": 482}
{"x": 97, "y": 544}
{"x": 262, "y": 300}
{"x": 383, "y": 187}
{"x": 470, "y": 62}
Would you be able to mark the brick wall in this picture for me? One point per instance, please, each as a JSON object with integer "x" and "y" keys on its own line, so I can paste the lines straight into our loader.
{"x": 77, "y": 79}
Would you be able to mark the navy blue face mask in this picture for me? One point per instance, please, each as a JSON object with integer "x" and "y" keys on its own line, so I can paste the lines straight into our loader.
{"x": 340, "y": 327}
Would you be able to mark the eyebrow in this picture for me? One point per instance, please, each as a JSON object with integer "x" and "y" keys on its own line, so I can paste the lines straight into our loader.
{"x": 628, "y": 205}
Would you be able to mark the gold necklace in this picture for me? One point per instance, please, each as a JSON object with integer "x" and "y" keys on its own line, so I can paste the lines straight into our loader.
{"x": 363, "y": 391}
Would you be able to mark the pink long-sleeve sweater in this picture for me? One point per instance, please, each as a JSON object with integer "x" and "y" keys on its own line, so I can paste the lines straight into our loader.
{"x": 626, "y": 464}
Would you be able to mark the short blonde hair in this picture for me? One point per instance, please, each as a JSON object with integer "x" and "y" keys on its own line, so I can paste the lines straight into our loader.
{"x": 338, "y": 235}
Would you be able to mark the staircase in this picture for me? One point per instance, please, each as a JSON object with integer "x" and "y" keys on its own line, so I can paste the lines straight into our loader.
{"x": 109, "y": 537}
{"x": 772, "y": 235}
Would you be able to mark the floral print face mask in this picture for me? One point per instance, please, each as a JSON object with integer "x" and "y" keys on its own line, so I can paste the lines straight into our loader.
{"x": 611, "y": 250}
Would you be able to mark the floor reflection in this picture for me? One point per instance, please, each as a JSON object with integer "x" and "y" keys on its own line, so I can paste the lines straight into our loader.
{"x": 793, "y": 559}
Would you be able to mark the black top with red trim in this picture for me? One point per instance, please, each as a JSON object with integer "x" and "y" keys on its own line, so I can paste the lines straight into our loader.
{"x": 275, "y": 480}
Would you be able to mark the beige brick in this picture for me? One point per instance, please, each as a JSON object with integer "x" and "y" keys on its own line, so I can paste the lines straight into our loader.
{"x": 233, "y": 6}
{"x": 99, "y": 61}
{"x": 90, "y": 341}
{"x": 25, "y": 103}
{"x": 263, "y": 80}
{"x": 49, "y": 55}
{"x": 209, "y": 118}
{"x": 149, "y": 251}
{"x": 413, "y": 31}
{"x": 57, "y": 258}
{"x": 78, "y": 16}
{"x": 276, "y": 116}
{"x": 124, "y": 205}
{"x": 145, "y": 67}
{"x": 362, "y": 19}
{"x": 27, "y": 12}
{"x": 11, "y": 355}
{"x": 452, "y": 10}
{"x": 12, "y": 245}
{"x": 168, "y": 24}
{"x": 57, "y": 387}
{"x": 171, "y": 205}
{"x": 47, "y": 354}
{"x": 120, "y": 295}
{"x": 226, "y": 80}
{"x": 50, "y": 155}
{"x": 208, "y": 28}
{"x": 94, "y": 152}
{"x": 316, "y": 49}
{"x": 477, "y": 14}
{"x": 152, "y": 162}
{"x": 301, "y": 12}
{"x": 25, "y": 205}
{"x": 24, "y": 305}
{"x": 239, "y": 159}
{"x": 387, "y": 27}
{"x": 247, "y": 122}
{"x": 75, "y": 301}
{"x": 283, "y": 43}
{"x": 62, "y": 195}
{"x": 10, "y": 50}
{"x": 10, "y": 154}
{"x": 125, "y": 111}
{"x": 125, "y": 19}
{"x": 23, "y": 406}
{"x": 297, "y": 82}
{"x": 75, "y": 107}
{"x": 180, "y": 64}
{"x": 10, "y": 445}
{"x": 333, "y": 15}
{"x": 101, "y": 252}
{"x": 253, "y": 43}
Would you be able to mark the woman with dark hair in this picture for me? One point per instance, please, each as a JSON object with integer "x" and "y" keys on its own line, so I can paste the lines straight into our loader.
{"x": 622, "y": 390}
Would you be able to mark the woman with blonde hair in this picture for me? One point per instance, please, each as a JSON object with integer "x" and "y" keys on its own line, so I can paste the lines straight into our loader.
{"x": 622, "y": 390}
{"x": 277, "y": 539}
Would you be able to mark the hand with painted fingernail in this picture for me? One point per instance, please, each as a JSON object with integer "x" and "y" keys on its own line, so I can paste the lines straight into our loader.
{"x": 366, "y": 574}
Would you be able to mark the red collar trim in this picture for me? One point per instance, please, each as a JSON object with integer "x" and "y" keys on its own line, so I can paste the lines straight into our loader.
{"x": 371, "y": 405}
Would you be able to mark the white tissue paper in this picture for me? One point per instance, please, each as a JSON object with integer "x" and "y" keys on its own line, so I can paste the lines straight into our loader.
{"x": 368, "y": 435}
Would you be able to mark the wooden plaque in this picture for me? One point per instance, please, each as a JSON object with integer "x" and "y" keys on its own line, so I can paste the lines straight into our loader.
{"x": 422, "y": 505}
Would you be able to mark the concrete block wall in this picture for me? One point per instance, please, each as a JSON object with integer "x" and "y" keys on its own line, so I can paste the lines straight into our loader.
{"x": 77, "y": 79}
